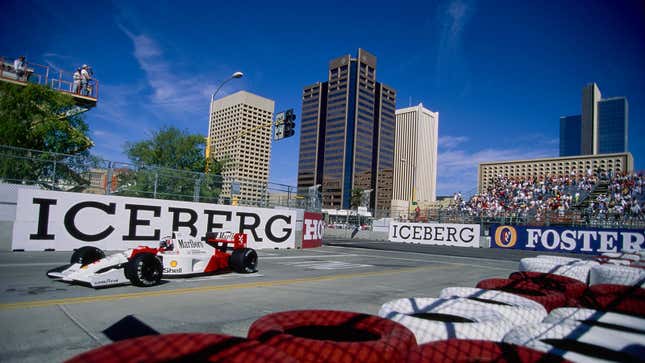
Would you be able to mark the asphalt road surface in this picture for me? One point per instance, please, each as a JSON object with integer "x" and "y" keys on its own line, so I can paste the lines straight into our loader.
{"x": 47, "y": 320}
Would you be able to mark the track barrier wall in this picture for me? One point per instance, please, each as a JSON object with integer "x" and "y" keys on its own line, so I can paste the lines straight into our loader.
{"x": 441, "y": 234}
{"x": 566, "y": 239}
{"x": 63, "y": 221}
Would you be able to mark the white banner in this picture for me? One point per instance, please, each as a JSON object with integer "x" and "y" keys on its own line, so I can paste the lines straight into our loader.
{"x": 441, "y": 234}
{"x": 64, "y": 221}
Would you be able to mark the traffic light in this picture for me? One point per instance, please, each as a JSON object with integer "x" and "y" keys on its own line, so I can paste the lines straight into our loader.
{"x": 289, "y": 124}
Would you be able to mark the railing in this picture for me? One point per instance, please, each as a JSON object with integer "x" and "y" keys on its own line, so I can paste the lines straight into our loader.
{"x": 47, "y": 76}
{"x": 84, "y": 173}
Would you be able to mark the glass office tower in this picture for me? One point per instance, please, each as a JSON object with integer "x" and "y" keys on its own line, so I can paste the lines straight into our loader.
{"x": 348, "y": 122}
{"x": 570, "y": 135}
{"x": 612, "y": 125}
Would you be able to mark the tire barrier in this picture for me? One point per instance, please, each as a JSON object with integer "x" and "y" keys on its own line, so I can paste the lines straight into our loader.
{"x": 515, "y": 308}
{"x": 548, "y": 298}
{"x": 433, "y": 319}
{"x": 189, "y": 347}
{"x": 561, "y": 259}
{"x": 634, "y": 257}
{"x": 576, "y": 270}
{"x": 570, "y": 287}
{"x": 334, "y": 336}
{"x": 616, "y": 275}
{"x": 616, "y": 298}
{"x": 597, "y": 318}
{"x": 467, "y": 351}
{"x": 579, "y": 342}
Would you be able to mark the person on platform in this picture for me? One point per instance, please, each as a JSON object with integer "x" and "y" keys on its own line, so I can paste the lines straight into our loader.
{"x": 20, "y": 67}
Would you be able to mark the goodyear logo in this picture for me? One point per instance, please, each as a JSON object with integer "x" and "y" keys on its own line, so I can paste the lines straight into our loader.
{"x": 505, "y": 236}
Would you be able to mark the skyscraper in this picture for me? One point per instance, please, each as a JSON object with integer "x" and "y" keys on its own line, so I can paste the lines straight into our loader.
{"x": 238, "y": 137}
{"x": 600, "y": 129}
{"x": 612, "y": 125}
{"x": 347, "y": 134}
{"x": 415, "y": 155}
{"x": 570, "y": 135}
{"x": 589, "y": 127}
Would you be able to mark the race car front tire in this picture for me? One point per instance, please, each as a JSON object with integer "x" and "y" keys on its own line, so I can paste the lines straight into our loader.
{"x": 244, "y": 260}
{"x": 144, "y": 270}
{"x": 86, "y": 255}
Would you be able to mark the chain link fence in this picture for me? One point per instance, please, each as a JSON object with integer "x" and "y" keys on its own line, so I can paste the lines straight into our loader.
{"x": 91, "y": 174}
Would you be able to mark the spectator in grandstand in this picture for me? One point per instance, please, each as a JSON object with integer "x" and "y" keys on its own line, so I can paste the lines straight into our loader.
{"x": 20, "y": 67}
{"x": 77, "y": 81}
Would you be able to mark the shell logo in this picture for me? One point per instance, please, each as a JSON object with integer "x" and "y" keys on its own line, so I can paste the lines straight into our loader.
{"x": 505, "y": 236}
{"x": 173, "y": 263}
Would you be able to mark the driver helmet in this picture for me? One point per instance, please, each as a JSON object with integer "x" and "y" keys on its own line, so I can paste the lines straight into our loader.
{"x": 166, "y": 244}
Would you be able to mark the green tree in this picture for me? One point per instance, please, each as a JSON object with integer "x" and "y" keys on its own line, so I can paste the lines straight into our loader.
{"x": 356, "y": 198}
{"x": 170, "y": 165}
{"x": 33, "y": 117}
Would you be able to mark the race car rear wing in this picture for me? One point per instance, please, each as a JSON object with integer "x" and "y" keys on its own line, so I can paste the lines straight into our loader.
{"x": 221, "y": 244}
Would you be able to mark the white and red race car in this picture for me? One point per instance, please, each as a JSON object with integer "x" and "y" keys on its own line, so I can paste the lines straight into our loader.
{"x": 144, "y": 266}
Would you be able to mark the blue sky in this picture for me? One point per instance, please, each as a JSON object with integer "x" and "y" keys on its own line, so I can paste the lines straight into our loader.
{"x": 500, "y": 73}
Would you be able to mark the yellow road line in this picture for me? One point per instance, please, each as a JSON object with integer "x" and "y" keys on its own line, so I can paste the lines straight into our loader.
{"x": 101, "y": 298}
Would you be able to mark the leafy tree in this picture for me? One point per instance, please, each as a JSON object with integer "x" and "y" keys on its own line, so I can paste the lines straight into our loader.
{"x": 169, "y": 166}
{"x": 356, "y": 198}
{"x": 33, "y": 117}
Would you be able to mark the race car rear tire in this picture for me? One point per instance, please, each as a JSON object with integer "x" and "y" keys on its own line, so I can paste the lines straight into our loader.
{"x": 316, "y": 336}
{"x": 579, "y": 342}
{"x": 244, "y": 260}
{"x": 86, "y": 255}
{"x": 433, "y": 319}
{"x": 144, "y": 270}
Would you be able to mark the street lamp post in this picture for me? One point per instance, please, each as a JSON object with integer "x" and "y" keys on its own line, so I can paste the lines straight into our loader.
{"x": 210, "y": 113}
{"x": 234, "y": 75}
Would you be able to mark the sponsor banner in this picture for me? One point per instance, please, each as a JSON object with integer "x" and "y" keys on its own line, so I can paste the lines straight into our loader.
{"x": 566, "y": 239}
{"x": 65, "y": 221}
{"x": 312, "y": 230}
{"x": 441, "y": 234}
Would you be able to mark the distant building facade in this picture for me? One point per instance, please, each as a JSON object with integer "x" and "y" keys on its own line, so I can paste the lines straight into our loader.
{"x": 603, "y": 125}
{"x": 415, "y": 154}
{"x": 612, "y": 125}
{"x": 347, "y": 134}
{"x": 570, "y": 135}
{"x": 618, "y": 162}
{"x": 238, "y": 138}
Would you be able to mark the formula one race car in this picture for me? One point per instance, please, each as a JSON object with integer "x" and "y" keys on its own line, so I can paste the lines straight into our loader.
{"x": 144, "y": 266}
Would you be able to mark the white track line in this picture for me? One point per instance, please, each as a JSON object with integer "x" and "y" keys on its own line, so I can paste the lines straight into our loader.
{"x": 80, "y": 325}
{"x": 432, "y": 260}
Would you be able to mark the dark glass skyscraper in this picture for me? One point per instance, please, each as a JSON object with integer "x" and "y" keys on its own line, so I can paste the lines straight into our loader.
{"x": 600, "y": 129}
{"x": 347, "y": 135}
{"x": 570, "y": 135}
{"x": 612, "y": 125}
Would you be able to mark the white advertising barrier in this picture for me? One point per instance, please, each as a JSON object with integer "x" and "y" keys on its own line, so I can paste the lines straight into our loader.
{"x": 441, "y": 234}
{"x": 65, "y": 221}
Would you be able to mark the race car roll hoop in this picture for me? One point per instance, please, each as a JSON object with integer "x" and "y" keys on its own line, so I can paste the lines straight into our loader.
{"x": 176, "y": 256}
